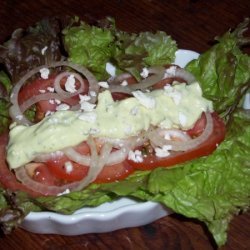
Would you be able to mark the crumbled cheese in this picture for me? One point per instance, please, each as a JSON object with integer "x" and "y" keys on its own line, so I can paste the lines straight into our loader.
{"x": 144, "y": 73}
{"x": 110, "y": 68}
{"x": 42, "y": 91}
{"x": 86, "y": 106}
{"x": 70, "y": 84}
{"x": 67, "y": 191}
{"x": 51, "y": 101}
{"x": 84, "y": 98}
{"x": 57, "y": 101}
{"x": 182, "y": 119}
{"x": 103, "y": 85}
{"x": 170, "y": 71}
{"x": 19, "y": 117}
{"x": 62, "y": 106}
{"x": 135, "y": 156}
{"x": 68, "y": 167}
{"x": 147, "y": 101}
{"x": 51, "y": 89}
{"x": 92, "y": 93}
{"x": 44, "y": 73}
{"x": 124, "y": 83}
{"x": 88, "y": 116}
{"x": 44, "y": 50}
{"x": 163, "y": 151}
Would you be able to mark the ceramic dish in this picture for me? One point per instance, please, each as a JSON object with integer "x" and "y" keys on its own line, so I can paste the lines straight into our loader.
{"x": 107, "y": 217}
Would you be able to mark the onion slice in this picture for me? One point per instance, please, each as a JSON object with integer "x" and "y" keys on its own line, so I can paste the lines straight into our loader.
{"x": 158, "y": 141}
{"x": 62, "y": 92}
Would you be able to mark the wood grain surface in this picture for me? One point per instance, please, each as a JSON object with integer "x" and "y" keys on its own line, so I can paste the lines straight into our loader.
{"x": 193, "y": 24}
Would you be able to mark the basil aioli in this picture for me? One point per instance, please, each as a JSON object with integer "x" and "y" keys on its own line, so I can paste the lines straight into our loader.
{"x": 177, "y": 106}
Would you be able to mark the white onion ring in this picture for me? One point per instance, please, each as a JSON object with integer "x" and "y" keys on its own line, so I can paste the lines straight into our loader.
{"x": 62, "y": 92}
{"x": 157, "y": 75}
{"x": 185, "y": 75}
{"x": 158, "y": 141}
{"x": 96, "y": 163}
{"x": 73, "y": 155}
{"x": 21, "y": 175}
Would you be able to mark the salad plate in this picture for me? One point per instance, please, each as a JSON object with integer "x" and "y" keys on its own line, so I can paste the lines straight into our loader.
{"x": 110, "y": 216}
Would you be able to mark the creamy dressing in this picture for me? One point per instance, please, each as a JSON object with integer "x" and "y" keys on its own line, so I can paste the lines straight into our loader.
{"x": 177, "y": 106}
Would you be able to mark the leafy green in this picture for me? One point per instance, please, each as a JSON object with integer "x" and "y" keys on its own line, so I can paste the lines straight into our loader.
{"x": 93, "y": 47}
{"x": 223, "y": 70}
{"x": 24, "y": 50}
{"x": 5, "y": 87}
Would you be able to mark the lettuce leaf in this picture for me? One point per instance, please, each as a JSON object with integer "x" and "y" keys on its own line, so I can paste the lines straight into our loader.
{"x": 23, "y": 51}
{"x": 93, "y": 47}
{"x": 223, "y": 70}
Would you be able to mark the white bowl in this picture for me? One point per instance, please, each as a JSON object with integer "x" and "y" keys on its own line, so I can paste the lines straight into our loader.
{"x": 107, "y": 217}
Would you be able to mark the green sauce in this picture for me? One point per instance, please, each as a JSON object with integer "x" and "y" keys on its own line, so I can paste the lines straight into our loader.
{"x": 174, "y": 107}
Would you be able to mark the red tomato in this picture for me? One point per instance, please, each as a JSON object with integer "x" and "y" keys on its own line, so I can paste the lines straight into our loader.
{"x": 114, "y": 172}
{"x": 150, "y": 161}
{"x": 58, "y": 169}
{"x": 42, "y": 174}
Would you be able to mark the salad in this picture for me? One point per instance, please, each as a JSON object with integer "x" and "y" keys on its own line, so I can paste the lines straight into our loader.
{"x": 92, "y": 113}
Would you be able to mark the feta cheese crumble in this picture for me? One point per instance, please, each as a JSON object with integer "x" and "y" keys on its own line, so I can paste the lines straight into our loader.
{"x": 163, "y": 151}
{"x": 124, "y": 83}
{"x": 51, "y": 89}
{"x": 87, "y": 106}
{"x": 70, "y": 84}
{"x": 62, "y": 107}
{"x": 103, "y": 85}
{"x": 68, "y": 167}
{"x": 44, "y": 73}
{"x": 135, "y": 156}
{"x": 144, "y": 73}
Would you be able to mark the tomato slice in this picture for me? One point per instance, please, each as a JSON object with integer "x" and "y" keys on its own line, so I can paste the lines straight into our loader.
{"x": 43, "y": 175}
{"x": 114, "y": 172}
{"x": 58, "y": 168}
{"x": 198, "y": 127}
{"x": 150, "y": 161}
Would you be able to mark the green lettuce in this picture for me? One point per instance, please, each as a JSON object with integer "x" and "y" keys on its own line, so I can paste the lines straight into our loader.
{"x": 223, "y": 70}
{"x": 93, "y": 47}
{"x": 5, "y": 87}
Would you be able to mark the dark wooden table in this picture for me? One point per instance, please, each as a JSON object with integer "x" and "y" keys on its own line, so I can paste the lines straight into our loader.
{"x": 193, "y": 24}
